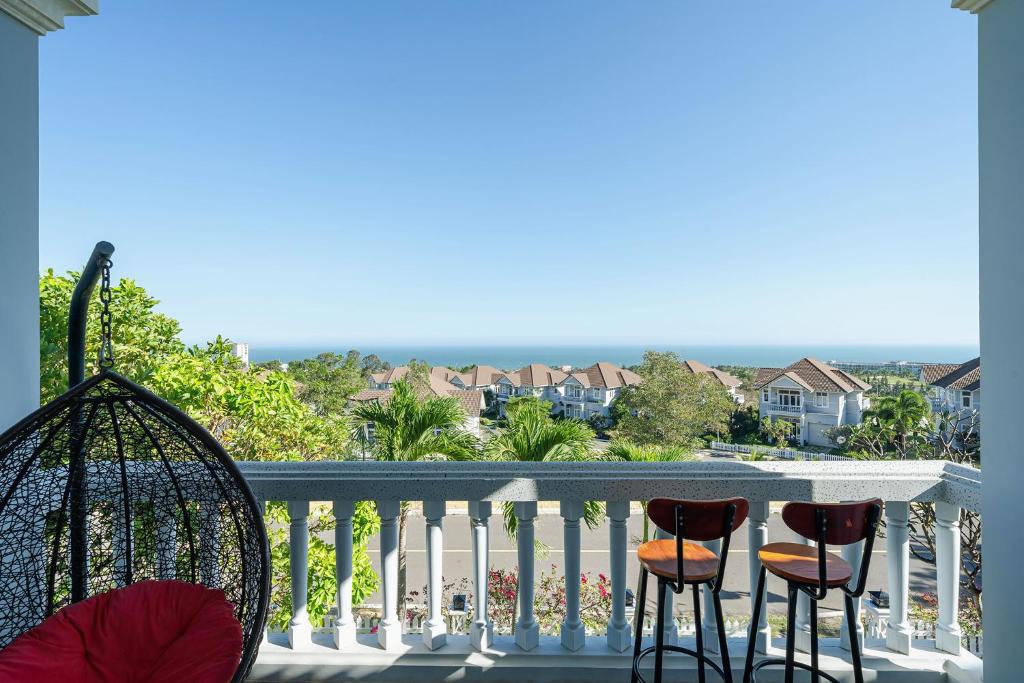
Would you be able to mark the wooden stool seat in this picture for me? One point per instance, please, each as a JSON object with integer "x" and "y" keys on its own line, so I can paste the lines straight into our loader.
{"x": 659, "y": 558}
{"x": 798, "y": 563}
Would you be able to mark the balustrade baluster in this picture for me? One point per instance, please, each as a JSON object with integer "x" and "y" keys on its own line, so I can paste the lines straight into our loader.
{"x": 527, "y": 628}
{"x": 947, "y": 570}
{"x": 434, "y": 628}
{"x": 668, "y": 621}
{"x": 619, "y": 632}
{"x": 344, "y": 626}
{"x": 897, "y": 541}
{"x": 707, "y": 609}
{"x": 573, "y": 632}
{"x": 389, "y": 631}
{"x": 802, "y": 629}
{"x": 757, "y": 536}
{"x": 299, "y": 630}
{"x": 853, "y": 553}
{"x": 481, "y": 630}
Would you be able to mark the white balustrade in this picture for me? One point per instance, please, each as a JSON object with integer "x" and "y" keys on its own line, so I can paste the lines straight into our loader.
{"x": 434, "y": 629}
{"x": 757, "y": 537}
{"x": 950, "y": 487}
{"x": 481, "y": 630}
{"x": 344, "y": 626}
{"x": 619, "y": 633}
{"x": 299, "y": 629}
{"x": 947, "y": 571}
{"x": 389, "y": 631}
{"x": 707, "y": 608}
{"x": 573, "y": 633}
{"x": 897, "y": 540}
{"x": 527, "y": 628}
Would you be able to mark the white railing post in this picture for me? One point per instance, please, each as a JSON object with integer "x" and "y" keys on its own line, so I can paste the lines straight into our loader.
{"x": 853, "y": 554}
{"x": 481, "y": 630}
{"x": 802, "y": 629}
{"x": 527, "y": 628}
{"x": 434, "y": 629}
{"x": 299, "y": 630}
{"x": 573, "y": 633}
{"x": 345, "y": 626}
{"x": 757, "y": 536}
{"x": 668, "y": 623}
{"x": 897, "y": 541}
{"x": 947, "y": 569}
{"x": 619, "y": 632}
{"x": 389, "y": 631}
{"x": 710, "y": 625}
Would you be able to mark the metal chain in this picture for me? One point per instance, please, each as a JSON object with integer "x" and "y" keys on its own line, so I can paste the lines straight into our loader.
{"x": 106, "y": 338}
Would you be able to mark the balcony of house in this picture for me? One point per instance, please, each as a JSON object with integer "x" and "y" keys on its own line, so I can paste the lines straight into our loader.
{"x": 784, "y": 408}
{"x": 443, "y": 645}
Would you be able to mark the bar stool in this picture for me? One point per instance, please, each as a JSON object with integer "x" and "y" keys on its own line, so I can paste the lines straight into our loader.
{"x": 814, "y": 571}
{"x": 677, "y": 564}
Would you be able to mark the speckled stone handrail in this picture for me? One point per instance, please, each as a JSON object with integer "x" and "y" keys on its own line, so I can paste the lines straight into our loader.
{"x": 928, "y": 480}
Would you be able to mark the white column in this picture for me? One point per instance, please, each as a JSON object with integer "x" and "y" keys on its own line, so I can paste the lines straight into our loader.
{"x": 299, "y": 631}
{"x": 481, "y": 630}
{"x": 853, "y": 553}
{"x": 802, "y": 630}
{"x": 434, "y": 629}
{"x": 897, "y": 542}
{"x": 573, "y": 633}
{"x": 669, "y": 623}
{"x": 527, "y": 628}
{"x": 19, "y": 221}
{"x": 619, "y": 632}
{"x": 757, "y": 536}
{"x": 947, "y": 577}
{"x": 389, "y": 631}
{"x": 707, "y": 609}
{"x": 345, "y": 626}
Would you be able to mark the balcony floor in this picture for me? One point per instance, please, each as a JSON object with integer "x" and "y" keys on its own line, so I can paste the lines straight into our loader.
{"x": 505, "y": 663}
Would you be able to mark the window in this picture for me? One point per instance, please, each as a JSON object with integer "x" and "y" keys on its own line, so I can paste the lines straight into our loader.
{"x": 820, "y": 399}
{"x": 574, "y": 391}
{"x": 595, "y": 394}
{"x": 965, "y": 399}
{"x": 789, "y": 397}
{"x": 764, "y": 396}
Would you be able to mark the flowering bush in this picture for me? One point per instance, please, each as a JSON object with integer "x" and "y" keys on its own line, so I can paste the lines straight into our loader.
{"x": 925, "y": 607}
{"x": 549, "y": 599}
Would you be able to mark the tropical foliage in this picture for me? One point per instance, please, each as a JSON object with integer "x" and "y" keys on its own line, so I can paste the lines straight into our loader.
{"x": 631, "y": 452}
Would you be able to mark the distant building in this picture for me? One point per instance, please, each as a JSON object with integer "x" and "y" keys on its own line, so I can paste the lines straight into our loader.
{"x": 954, "y": 389}
{"x": 581, "y": 394}
{"x": 814, "y": 396}
{"x": 728, "y": 382}
{"x": 241, "y": 351}
{"x": 471, "y": 400}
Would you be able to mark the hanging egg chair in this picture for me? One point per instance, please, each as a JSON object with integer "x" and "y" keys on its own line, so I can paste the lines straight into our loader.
{"x": 109, "y": 485}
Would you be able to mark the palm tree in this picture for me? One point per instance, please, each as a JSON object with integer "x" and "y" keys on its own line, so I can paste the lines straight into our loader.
{"x": 632, "y": 452}
{"x": 531, "y": 435}
{"x": 902, "y": 414}
{"x": 411, "y": 426}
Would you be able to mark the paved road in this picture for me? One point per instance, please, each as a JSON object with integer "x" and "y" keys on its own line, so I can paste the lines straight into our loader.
{"x": 458, "y": 559}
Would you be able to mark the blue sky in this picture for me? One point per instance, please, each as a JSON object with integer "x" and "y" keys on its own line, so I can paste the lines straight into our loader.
{"x": 528, "y": 172}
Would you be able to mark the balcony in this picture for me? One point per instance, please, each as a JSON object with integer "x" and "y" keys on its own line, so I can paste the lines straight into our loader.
{"x": 784, "y": 408}
{"x": 342, "y": 652}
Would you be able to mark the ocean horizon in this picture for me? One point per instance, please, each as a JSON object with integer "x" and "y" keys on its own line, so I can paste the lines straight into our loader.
{"x": 512, "y": 357}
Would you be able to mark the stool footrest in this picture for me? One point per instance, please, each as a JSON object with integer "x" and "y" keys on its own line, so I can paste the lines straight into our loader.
{"x": 675, "y": 648}
{"x": 782, "y": 662}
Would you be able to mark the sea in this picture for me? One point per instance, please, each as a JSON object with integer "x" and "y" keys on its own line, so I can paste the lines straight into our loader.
{"x": 511, "y": 357}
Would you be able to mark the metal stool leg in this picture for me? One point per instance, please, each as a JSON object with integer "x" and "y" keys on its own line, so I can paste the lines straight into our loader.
{"x": 748, "y": 665}
{"x": 791, "y": 633}
{"x": 659, "y": 627}
{"x": 639, "y": 612}
{"x": 699, "y": 632}
{"x": 851, "y": 627}
{"x": 814, "y": 642}
{"x": 723, "y": 645}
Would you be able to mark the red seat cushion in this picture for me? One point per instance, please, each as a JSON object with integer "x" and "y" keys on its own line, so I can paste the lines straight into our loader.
{"x": 152, "y": 631}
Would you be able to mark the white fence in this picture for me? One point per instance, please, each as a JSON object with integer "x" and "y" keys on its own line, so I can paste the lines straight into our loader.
{"x": 784, "y": 453}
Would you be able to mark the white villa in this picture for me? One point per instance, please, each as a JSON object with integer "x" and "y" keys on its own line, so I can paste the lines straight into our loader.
{"x": 472, "y": 400}
{"x": 728, "y": 382}
{"x": 954, "y": 388}
{"x": 814, "y": 396}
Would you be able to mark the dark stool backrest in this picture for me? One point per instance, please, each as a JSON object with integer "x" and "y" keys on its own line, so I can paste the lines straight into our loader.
{"x": 845, "y": 523}
{"x": 704, "y": 519}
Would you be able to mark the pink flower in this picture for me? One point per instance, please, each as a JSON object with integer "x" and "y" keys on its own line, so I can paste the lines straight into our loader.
{"x": 583, "y": 579}
{"x": 374, "y": 629}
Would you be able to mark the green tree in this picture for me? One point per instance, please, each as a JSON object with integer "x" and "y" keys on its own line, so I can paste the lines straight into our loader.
{"x": 532, "y": 435}
{"x": 777, "y": 431}
{"x": 411, "y": 426}
{"x": 673, "y": 406}
{"x": 900, "y": 417}
{"x": 326, "y": 382}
